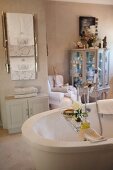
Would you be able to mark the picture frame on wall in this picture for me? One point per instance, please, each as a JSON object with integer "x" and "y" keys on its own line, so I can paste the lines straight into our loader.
{"x": 87, "y": 22}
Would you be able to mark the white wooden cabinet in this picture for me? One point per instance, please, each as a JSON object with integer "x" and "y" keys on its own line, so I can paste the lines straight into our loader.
{"x": 18, "y": 110}
{"x": 37, "y": 104}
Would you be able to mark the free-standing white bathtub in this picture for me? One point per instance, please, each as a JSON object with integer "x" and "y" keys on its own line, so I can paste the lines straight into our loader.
{"x": 56, "y": 146}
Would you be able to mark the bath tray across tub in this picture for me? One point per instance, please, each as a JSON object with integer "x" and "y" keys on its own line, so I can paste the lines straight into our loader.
{"x": 88, "y": 134}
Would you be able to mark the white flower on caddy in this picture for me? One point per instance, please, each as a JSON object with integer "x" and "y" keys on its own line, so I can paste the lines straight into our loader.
{"x": 76, "y": 105}
{"x": 80, "y": 115}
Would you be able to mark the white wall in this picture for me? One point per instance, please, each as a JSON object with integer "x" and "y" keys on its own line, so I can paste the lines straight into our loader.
{"x": 63, "y": 29}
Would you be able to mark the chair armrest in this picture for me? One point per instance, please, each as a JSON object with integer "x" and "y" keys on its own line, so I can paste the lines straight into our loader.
{"x": 56, "y": 97}
{"x": 62, "y": 89}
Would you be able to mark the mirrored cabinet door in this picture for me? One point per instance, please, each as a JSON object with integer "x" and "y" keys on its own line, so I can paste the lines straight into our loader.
{"x": 76, "y": 67}
{"x": 106, "y": 67}
{"x": 90, "y": 66}
{"x": 100, "y": 68}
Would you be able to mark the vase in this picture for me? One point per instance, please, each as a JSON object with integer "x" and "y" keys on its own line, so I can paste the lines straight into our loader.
{"x": 90, "y": 43}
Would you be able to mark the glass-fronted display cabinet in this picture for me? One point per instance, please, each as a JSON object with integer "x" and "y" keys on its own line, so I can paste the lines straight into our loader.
{"x": 100, "y": 68}
{"x": 76, "y": 67}
{"x": 86, "y": 63}
{"x": 106, "y": 67}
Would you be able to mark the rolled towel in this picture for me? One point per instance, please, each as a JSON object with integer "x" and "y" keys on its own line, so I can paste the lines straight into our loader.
{"x": 25, "y": 95}
{"x": 56, "y": 97}
{"x": 25, "y": 90}
{"x": 59, "y": 89}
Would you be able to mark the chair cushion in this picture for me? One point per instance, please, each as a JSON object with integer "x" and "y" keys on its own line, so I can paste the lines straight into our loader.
{"x": 59, "y": 82}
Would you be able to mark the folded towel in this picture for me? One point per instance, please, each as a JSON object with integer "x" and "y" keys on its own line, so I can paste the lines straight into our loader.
{"x": 25, "y": 90}
{"x": 93, "y": 136}
{"x": 25, "y": 95}
{"x": 60, "y": 89}
{"x": 93, "y": 139}
{"x": 105, "y": 106}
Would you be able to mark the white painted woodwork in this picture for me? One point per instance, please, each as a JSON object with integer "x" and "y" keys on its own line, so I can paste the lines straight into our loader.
{"x": 19, "y": 110}
{"x": 17, "y": 113}
{"x": 37, "y": 105}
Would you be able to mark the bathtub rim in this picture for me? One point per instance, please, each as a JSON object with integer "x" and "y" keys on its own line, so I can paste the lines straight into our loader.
{"x": 59, "y": 146}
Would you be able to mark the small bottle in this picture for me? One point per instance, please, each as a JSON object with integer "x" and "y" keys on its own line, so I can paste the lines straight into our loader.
{"x": 85, "y": 124}
{"x": 87, "y": 46}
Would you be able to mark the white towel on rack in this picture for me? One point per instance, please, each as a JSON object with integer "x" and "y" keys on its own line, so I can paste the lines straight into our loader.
{"x": 20, "y": 33}
{"x": 20, "y": 28}
{"x": 105, "y": 106}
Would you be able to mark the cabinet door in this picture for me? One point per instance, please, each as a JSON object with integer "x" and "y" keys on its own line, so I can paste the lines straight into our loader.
{"x": 106, "y": 67}
{"x": 90, "y": 66}
{"x": 76, "y": 67}
{"x": 37, "y": 105}
{"x": 100, "y": 68}
{"x": 17, "y": 113}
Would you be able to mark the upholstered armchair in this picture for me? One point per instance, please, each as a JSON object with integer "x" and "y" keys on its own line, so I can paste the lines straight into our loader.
{"x": 60, "y": 95}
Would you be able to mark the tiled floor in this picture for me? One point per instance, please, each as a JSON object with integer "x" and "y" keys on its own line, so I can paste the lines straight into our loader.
{"x": 14, "y": 152}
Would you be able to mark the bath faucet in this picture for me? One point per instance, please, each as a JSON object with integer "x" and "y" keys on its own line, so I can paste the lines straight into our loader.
{"x": 78, "y": 93}
{"x": 88, "y": 109}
